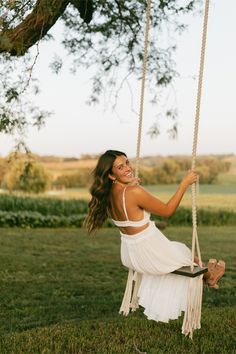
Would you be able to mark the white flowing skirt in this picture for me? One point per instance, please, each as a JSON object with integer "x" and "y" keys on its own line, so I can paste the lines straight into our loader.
{"x": 162, "y": 295}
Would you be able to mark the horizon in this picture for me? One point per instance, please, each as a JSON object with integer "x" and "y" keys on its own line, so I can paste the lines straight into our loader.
{"x": 95, "y": 156}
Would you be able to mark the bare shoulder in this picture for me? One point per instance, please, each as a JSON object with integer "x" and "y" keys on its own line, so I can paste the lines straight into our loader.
{"x": 141, "y": 198}
{"x": 136, "y": 190}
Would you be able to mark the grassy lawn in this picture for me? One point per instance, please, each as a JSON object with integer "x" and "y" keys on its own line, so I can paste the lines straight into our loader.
{"x": 61, "y": 291}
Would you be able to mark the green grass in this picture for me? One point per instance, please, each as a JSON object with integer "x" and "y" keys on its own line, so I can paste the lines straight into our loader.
{"x": 61, "y": 291}
{"x": 213, "y": 196}
{"x": 227, "y": 178}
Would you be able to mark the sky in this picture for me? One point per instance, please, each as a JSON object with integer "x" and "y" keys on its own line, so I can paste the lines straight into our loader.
{"x": 76, "y": 129}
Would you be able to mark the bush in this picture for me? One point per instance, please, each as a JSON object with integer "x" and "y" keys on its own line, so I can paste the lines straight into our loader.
{"x": 27, "y": 176}
{"x": 74, "y": 180}
{"x": 171, "y": 168}
{"x": 44, "y": 206}
{"x": 206, "y": 217}
{"x": 147, "y": 176}
{"x": 53, "y": 212}
{"x": 30, "y": 219}
{"x": 161, "y": 176}
{"x": 3, "y": 169}
{"x": 206, "y": 174}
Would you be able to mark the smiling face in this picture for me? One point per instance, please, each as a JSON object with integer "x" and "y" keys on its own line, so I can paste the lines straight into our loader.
{"x": 122, "y": 171}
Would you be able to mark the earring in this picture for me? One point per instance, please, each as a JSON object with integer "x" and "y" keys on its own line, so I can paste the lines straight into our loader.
{"x": 114, "y": 180}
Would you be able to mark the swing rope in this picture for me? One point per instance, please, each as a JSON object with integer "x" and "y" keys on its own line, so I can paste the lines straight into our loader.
{"x": 195, "y": 242}
{"x": 145, "y": 55}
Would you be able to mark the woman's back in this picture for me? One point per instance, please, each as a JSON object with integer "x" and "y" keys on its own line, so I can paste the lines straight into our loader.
{"x": 126, "y": 214}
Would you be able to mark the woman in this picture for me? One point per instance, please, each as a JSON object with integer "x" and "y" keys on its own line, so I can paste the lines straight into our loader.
{"x": 144, "y": 249}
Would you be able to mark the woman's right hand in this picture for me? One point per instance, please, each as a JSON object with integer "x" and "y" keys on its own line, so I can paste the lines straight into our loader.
{"x": 190, "y": 178}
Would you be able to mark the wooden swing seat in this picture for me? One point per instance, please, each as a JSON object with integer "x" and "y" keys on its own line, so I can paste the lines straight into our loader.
{"x": 187, "y": 272}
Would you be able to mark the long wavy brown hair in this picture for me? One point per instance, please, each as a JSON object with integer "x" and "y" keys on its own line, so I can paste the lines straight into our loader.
{"x": 99, "y": 205}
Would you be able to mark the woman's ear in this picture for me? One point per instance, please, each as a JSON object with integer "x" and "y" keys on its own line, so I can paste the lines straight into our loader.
{"x": 111, "y": 177}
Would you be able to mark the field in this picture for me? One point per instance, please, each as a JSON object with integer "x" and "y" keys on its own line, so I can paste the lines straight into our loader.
{"x": 60, "y": 166}
{"x": 61, "y": 292}
{"x": 220, "y": 195}
{"x": 214, "y": 196}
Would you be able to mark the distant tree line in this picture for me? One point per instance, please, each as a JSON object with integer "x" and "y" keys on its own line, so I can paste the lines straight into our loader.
{"x": 171, "y": 170}
{"x": 26, "y": 173}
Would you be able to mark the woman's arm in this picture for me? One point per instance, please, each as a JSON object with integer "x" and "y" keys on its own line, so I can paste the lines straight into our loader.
{"x": 152, "y": 204}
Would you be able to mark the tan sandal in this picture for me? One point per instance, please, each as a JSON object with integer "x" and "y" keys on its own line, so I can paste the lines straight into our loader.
{"x": 217, "y": 272}
{"x": 211, "y": 264}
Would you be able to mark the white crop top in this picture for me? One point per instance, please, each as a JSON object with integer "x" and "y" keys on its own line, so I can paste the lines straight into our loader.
{"x": 127, "y": 222}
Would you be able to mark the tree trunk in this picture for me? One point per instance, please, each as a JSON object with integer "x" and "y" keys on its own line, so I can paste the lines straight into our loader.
{"x": 18, "y": 40}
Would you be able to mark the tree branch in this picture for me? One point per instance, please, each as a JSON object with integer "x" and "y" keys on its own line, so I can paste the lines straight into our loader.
{"x": 85, "y": 8}
{"x": 18, "y": 40}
